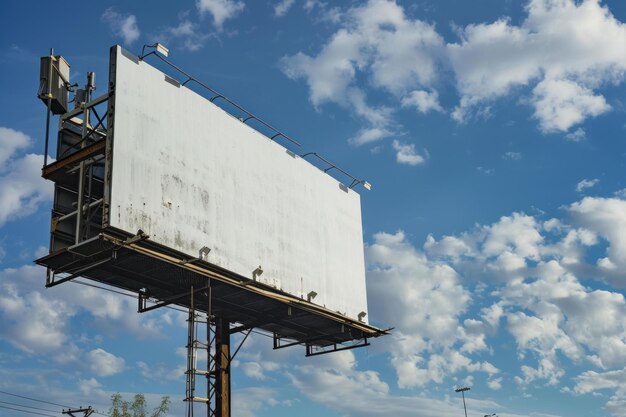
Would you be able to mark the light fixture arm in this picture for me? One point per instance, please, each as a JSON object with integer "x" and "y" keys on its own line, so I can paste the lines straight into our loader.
{"x": 158, "y": 47}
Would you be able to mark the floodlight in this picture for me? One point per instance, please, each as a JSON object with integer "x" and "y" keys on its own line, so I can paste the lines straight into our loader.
{"x": 160, "y": 48}
{"x": 310, "y": 296}
{"x": 362, "y": 315}
{"x": 204, "y": 253}
{"x": 356, "y": 182}
{"x": 257, "y": 272}
{"x": 462, "y": 391}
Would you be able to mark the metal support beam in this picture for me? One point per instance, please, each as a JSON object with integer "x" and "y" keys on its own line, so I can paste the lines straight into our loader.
{"x": 78, "y": 156}
{"x": 143, "y": 299}
{"x": 240, "y": 345}
{"x": 191, "y": 357}
{"x": 222, "y": 367}
{"x": 88, "y": 105}
{"x": 51, "y": 282}
{"x": 81, "y": 182}
{"x": 335, "y": 348}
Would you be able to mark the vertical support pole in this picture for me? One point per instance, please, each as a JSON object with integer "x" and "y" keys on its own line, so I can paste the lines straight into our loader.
{"x": 81, "y": 181}
{"x": 222, "y": 359}
{"x": 45, "y": 151}
{"x": 88, "y": 203}
{"x": 190, "y": 391}
{"x": 464, "y": 407}
{"x": 210, "y": 355}
{"x": 80, "y": 216}
{"x": 45, "y": 154}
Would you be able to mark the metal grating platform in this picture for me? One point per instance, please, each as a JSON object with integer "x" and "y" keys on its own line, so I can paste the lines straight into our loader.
{"x": 136, "y": 264}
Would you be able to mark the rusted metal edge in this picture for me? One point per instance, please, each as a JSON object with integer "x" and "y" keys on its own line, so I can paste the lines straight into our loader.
{"x": 78, "y": 156}
{"x": 249, "y": 286}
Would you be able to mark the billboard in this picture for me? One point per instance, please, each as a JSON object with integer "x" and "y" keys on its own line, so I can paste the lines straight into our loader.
{"x": 190, "y": 176}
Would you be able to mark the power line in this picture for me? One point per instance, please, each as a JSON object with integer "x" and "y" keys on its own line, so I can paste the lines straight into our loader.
{"x": 34, "y": 399}
{"x": 37, "y": 400}
{"x": 28, "y": 406}
{"x": 26, "y": 411}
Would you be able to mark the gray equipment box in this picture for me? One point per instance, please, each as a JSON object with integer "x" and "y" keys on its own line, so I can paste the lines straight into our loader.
{"x": 54, "y": 76}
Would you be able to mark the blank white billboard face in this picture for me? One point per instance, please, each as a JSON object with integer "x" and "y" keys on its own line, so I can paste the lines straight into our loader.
{"x": 190, "y": 175}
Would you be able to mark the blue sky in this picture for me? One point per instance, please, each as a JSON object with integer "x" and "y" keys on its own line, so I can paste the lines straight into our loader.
{"x": 493, "y": 135}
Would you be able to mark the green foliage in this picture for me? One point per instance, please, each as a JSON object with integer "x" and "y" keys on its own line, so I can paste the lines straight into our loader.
{"x": 137, "y": 408}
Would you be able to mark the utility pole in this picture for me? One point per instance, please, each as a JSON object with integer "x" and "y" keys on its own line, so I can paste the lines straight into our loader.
{"x": 86, "y": 411}
{"x": 462, "y": 391}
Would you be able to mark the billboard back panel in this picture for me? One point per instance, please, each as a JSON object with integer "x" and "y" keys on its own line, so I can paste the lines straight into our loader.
{"x": 190, "y": 175}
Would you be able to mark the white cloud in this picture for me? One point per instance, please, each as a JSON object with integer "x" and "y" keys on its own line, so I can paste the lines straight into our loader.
{"x": 591, "y": 382}
{"x": 377, "y": 116}
{"x": 103, "y": 363}
{"x": 162, "y": 371}
{"x": 577, "y": 135}
{"x": 495, "y": 384}
{"x": 480, "y": 74}
{"x": 448, "y": 246}
{"x": 569, "y": 48}
{"x": 123, "y": 26}
{"x": 424, "y": 299}
{"x": 546, "y": 309}
{"x": 32, "y": 322}
{"x": 517, "y": 234}
{"x": 543, "y": 335}
{"x": 312, "y": 4}
{"x": 248, "y": 402}
{"x": 187, "y": 33}
{"x": 221, "y": 10}
{"x": 406, "y": 154}
{"x": 252, "y": 370}
{"x": 567, "y": 319}
{"x": 353, "y": 392}
{"x": 376, "y": 39}
{"x": 22, "y": 190}
{"x": 369, "y": 135}
{"x": 606, "y": 217}
{"x": 423, "y": 101}
{"x": 325, "y": 12}
{"x": 91, "y": 387}
{"x": 491, "y": 315}
{"x": 585, "y": 184}
{"x": 256, "y": 360}
{"x": 561, "y": 104}
{"x": 512, "y": 156}
{"x": 11, "y": 141}
{"x": 40, "y": 323}
{"x": 564, "y": 51}
{"x": 282, "y": 7}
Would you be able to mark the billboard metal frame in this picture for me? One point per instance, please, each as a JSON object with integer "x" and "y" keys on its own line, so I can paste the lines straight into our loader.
{"x": 83, "y": 245}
